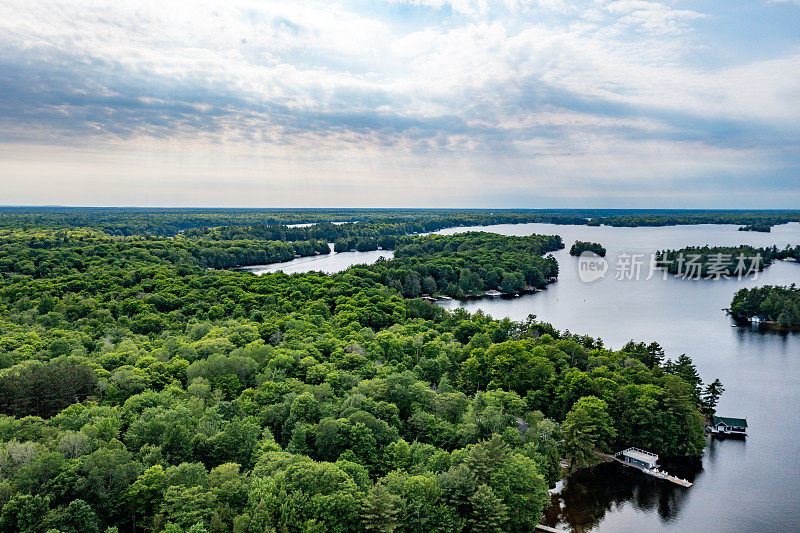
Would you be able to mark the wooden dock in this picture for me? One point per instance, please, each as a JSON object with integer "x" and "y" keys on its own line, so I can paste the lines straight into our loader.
{"x": 651, "y": 472}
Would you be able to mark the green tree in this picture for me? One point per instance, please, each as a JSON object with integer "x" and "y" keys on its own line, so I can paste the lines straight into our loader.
{"x": 711, "y": 395}
{"x": 586, "y": 427}
{"x": 489, "y": 514}
{"x": 79, "y": 517}
{"x": 379, "y": 510}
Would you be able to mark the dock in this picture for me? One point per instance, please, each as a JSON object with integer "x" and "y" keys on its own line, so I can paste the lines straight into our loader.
{"x": 547, "y": 529}
{"x": 650, "y": 471}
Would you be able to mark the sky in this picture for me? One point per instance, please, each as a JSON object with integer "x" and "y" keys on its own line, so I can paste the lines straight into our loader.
{"x": 401, "y": 103}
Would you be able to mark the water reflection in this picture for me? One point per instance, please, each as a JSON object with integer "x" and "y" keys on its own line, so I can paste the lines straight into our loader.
{"x": 590, "y": 493}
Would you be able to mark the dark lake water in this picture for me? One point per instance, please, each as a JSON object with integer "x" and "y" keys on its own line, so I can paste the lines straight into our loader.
{"x": 751, "y": 485}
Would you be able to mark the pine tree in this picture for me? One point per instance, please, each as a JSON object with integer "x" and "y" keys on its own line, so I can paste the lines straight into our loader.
{"x": 711, "y": 395}
{"x": 458, "y": 486}
{"x": 489, "y": 515}
{"x": 580, "y": 437}
{"x": 379, "y": 511}
{"x": 684, "y": 368}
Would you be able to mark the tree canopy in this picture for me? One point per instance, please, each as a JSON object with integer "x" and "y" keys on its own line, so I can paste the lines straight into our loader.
{"x": 143, "y": 391}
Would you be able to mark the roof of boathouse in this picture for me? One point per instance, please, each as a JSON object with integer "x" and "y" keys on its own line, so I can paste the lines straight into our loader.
{"x": 731, "y": 422}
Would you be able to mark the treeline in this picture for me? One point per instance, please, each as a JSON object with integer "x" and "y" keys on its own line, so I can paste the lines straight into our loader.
{"x": 692, "y": 217}
{"x": 256, "y": 224}
{"x": 364, "y": 244}
{"x": 370, "y": 232}
{"x": 710, "y": 261}
{"x": 780, "y": 305}
{"x": 46, "y": 254}
{"x": 582, "y": 246}
{"x": 271, "y": 224}
{"x": 145, "y": 394}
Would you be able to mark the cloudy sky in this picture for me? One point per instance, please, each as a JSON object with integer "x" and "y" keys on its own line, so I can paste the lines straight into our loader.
{"x": 429, "y": 103}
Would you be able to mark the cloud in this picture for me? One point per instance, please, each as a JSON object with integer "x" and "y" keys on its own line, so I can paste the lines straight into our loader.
{"x": 510, "y": 95}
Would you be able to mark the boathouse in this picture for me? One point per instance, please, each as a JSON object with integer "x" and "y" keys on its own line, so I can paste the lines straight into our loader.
{"x": 640, "y": 458}
{"x": 724, "y": 425}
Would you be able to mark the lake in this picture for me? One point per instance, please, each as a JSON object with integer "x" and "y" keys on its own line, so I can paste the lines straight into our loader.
{"x": 751, "y": 485}
{"x": 328, "y": 264}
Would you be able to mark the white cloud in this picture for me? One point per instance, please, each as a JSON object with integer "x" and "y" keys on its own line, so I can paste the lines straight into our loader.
{"x": 519, "y": 88}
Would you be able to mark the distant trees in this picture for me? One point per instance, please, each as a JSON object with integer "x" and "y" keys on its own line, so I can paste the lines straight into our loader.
{"x": 763, "y": 228}
{"x": 652, "y": 355}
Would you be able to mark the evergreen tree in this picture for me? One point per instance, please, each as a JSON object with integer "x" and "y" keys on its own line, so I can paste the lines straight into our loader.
{"x": 489, "y": 514}
{"x": 458, "y": 486}
{"x": 684, "y": 368}
{"x": 379, "y": 510}
{"x": 711, "y": 395}
{"x": 580, "y": 437}
{"x": 587, "y": 426}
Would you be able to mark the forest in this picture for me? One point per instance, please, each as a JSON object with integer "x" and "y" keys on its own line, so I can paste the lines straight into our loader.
{"x": 780, "y": 305}
{"x": 578, "y": 247}
{"x": 677, "y": 217}
{"x": 719, "y": 261}
{"x": 332, "y": 224}
{"x": 141, "y": 390}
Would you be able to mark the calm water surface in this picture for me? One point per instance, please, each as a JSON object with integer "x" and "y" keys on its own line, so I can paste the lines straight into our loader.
{"x": 329, "y": 264}
{"x": 738, "y": 486}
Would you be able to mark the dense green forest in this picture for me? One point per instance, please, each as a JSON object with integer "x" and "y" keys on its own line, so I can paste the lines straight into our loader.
{"x": 271, "y": 224}
{"x": 711, "y": 261}
{"x": 780, "y": 305}
{"x": 578, "y": 247}
{"x": 44, "y": 253}
{"x": 140, "y": 391}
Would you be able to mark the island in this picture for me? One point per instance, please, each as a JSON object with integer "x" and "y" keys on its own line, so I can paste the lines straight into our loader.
{"x": 771, "y": 306}
{"x": 582, "y": 246}
{"x": 763, "y": 228}
{"x": 722, "y": 261}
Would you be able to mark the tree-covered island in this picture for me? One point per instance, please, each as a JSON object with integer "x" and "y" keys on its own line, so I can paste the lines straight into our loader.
{"x": 717, "y": 261}
{"x": 578, "y": 247}
{"x": 762, "y": 228}
{"x": 778, "y": 306}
